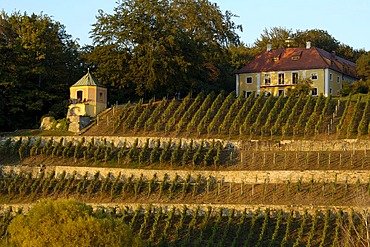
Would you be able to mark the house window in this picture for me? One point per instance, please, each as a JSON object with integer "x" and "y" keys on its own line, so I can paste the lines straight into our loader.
{"x": 338, "y": 79}
{"x": 79, "y": 95}
{"x": 267, "y": 79}
{"x": 294, "y": 77}
{"x": 281, "y": 78}
{"x": 247, "y": 94}
{"x": 330, "y": 76}
{"x": 314, "y": 91}
{"x": 101, "y": 96}
{"x": 330, "y": 91}
{"x": 314, "y": 76}
{"x": 281, "y": 92}
{"x": 249, "y": 80}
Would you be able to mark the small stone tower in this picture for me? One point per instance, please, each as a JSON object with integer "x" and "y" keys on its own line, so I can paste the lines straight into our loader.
{"x": 88, "y": 98}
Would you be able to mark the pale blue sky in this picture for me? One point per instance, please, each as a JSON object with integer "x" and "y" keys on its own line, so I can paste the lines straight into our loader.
{"x": 347, "y": 21}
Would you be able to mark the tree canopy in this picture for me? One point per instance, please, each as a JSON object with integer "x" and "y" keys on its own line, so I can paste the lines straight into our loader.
{"x": 164, "y": 46}
{"x": 68, "y": 223}
{"x": 39, "y": 61}
{"x": 281, "y": 37}
{"x": 143, "y": 49}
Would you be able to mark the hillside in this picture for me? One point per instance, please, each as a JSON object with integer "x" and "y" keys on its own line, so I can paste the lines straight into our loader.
{"x": 194, "y": 169}
{"x": 227, "y": 117}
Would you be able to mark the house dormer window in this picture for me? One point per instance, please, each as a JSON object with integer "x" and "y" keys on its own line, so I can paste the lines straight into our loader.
{"x": 274, "y": 59}
{"x": 296, "y": 55}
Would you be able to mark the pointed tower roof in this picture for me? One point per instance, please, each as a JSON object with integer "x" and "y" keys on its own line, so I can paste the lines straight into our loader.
{"x": 88, "y": 80}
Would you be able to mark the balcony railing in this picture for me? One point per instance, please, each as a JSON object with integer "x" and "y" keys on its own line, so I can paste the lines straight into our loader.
{"x": 78, "y": 101}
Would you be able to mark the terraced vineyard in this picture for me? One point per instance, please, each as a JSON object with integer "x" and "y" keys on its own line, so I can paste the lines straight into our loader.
{"x": 162, "y": 226}
{"x": 224, "y": 116}
{"x": 210, "y": 170}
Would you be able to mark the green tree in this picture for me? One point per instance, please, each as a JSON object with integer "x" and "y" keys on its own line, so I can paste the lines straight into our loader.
{"x": 276, "y": 36}
{"x": 303, "y": 87}
{"x": 68, "y": 223}
{"x": 241, "y": 54}
{"x": 363, "y": 66}
{"x": 318, "y": 38}
{"x": 161, "y": 47}
{"x": 39, "y": 61}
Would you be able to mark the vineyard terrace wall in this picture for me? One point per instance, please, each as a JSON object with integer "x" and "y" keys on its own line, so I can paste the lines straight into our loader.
{"x": 305, "y": 145}
{"x": 252, "y": 145}
{"x": 239, "y": 177}
{"x": 202, "y": 209}
{"x": 118, "y": 141}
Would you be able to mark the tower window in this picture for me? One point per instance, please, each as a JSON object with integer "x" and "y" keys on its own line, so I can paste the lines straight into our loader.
{"x": 79, "y": 95}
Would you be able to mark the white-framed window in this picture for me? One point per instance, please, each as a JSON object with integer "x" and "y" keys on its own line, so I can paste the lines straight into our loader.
{"x": 267, "y": 79}
{"x": 314, "y": 91}
{"x": 314, "y": 76}
{"x": 338, "y": 79}
{"x": 294, "y": 77}
{"x": 281, "y": 92}
{"x": 249, "y": 80}
{"x": 330, "y": 76}
{"x": 281, "y": 78}
{"x": 247, "y": 94}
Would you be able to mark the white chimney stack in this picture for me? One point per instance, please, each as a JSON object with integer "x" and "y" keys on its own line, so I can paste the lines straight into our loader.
{"x": 308, "y": 44}
{"x": 269, "y": 47}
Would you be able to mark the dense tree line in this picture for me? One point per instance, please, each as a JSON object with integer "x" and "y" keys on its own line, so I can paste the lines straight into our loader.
{"x": 39, "y": 61}
{"x": 143, "y": 49}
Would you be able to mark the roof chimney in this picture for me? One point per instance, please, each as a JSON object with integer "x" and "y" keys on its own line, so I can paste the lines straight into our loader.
{"x": 308, "y": 44}
{"x": 269, "y": 47}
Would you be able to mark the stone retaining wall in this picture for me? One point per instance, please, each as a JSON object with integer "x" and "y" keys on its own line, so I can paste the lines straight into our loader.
{"x": 252, "y": 145}
{"x": 119, "y": 141}
{"x": 202, "y": 208}
{"x": 306, "y": 145}
{"x": 247, "y": 177}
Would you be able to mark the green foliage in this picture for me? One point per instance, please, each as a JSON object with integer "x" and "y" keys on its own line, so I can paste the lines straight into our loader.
{"x": 164, "y": 55}
{"x": 65, "y": 223}
{"x": 38, "y": 56}
{"x": 303, "y": 87}
{"x": 363, "y": 67}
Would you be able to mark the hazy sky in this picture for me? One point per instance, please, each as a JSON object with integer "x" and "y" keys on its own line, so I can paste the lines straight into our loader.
{"x": 347, "y": 21}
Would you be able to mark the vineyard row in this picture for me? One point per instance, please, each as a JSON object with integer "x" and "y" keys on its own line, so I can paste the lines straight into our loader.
{"x": 252, "y": 117}
{"x": 185, "y": 227}
{"x": 172, "y": 153}
{"x": 26, "y": 187}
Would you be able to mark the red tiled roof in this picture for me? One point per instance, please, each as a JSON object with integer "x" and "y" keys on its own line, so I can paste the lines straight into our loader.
{"x": 298, "y": 59}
